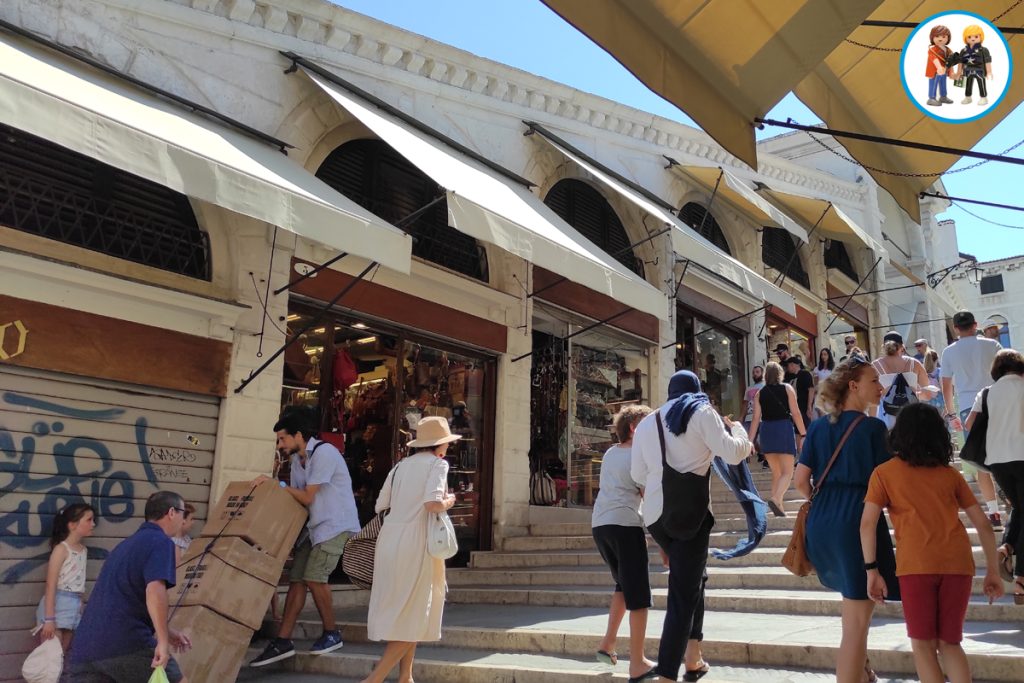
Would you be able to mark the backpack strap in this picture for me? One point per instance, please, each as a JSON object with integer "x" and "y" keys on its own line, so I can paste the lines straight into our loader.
{"x": 835, "y": 454}
{"x": 661, "y": 438}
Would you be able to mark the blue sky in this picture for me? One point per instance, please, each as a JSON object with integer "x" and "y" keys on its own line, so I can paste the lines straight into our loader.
{"x": 527, "y": 35}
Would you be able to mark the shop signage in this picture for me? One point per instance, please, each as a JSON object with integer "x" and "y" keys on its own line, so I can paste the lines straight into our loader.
{"x": 13, "y": 338}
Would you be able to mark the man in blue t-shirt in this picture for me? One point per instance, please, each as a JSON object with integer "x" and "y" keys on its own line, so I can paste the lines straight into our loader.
{"x": 320, "y": 480}
{"x": 124, "y": 634}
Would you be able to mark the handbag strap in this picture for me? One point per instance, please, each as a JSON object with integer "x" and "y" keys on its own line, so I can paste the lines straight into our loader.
{"x": 984, "y": 401}
{"x": 661, "y": 438}
{"x": 835, "y": 454}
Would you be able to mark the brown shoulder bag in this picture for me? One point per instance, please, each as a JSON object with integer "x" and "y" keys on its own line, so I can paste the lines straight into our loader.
{"x": 795, "y": 558}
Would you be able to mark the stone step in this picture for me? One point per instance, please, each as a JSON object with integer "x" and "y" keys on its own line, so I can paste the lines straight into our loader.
{"x": 761, "y": 557}
{"x": 735, "y": 638}
{"x": 761, "y": 600}
{"x": 774, "y": 538}
{"x": 725, "y": 576}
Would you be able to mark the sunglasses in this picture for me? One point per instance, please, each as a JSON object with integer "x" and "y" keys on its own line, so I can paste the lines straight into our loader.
{"x": 180, "y": 510}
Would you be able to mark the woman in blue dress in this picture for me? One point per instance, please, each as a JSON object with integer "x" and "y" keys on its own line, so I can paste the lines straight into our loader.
{"x": 833, "y": 541}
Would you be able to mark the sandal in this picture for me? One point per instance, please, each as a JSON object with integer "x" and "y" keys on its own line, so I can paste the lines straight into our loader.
{"x": 608, "y": 658}
{"x": 649, "y": 676}
{"x": 1018, "y": 596}
{"x": 776, "y": 510}
{"x": 1005, "y": 563}
{"x": 698, "y": 673}
{"x": 869, "y": 674}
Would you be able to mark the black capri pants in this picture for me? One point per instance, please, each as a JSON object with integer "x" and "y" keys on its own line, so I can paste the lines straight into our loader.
{"x": 624, "y": 550}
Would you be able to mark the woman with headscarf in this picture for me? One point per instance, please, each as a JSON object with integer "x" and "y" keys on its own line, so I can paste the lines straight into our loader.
{"x": 694, "y": 434}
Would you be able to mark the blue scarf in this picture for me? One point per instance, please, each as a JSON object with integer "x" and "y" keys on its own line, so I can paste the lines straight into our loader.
{"x": 684, "y": 388}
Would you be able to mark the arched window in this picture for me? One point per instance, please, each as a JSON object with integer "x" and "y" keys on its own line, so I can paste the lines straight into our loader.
{"x": 586, "y": 209}
{"x": 779, "y": 251}
{"x": 1004, "y": 329}
{"x": 375, "y": 176}
{"x": 54, "y": 192}
{"x": 837, "y": 257}
{"x": 697, "y": 217}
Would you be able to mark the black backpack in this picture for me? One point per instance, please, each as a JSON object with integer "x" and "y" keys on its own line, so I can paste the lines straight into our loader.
{"x": 899, "y": 395}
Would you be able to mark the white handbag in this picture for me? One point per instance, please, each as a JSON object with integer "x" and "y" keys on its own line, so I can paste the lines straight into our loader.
{"x": 441, "y": 541}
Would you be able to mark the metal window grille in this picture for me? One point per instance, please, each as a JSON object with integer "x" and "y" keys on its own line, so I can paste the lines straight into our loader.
{"x": 586, "y": 209}
{"x": 837, "y": 257}
{"x": 991, "y": 284}
{"x": 375, "y": 176}
{"x": 779, "y": 251}
{"x": 693, "y": 214}
{"x": 54, "y": 192}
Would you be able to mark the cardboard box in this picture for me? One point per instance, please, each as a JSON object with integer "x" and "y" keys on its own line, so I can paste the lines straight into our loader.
{"x": 234, "y": 579}
{"x": 218, "y": 645}
{"x": 266, "y": 516}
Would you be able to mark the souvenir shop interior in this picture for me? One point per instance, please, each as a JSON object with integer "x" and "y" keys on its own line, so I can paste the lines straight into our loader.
{"x": 844, "y": 326}
{"x": 372, "y": 384}
{"x": 799, "y": 341}
{"x": 580, "y": 379}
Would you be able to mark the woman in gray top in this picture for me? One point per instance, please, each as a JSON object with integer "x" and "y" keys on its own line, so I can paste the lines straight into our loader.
{"x": 619, "y": 534}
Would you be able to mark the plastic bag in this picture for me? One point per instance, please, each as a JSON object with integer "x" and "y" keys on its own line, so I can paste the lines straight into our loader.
{"x": 44, "y": 664}
{"x": 159, "y": 675}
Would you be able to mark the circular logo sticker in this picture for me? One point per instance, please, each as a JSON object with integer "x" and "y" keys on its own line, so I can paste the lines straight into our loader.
{"x": 956, "y": 66}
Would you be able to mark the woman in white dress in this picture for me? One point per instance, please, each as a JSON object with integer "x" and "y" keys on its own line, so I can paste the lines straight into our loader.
{"x": 407, "y": 597}
{"x": 894, "y": 363}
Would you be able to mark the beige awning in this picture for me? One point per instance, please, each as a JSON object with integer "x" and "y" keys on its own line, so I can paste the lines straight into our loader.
{"x": 493, "y": 208}
{"x": 831, "y": 221}
{"x": 686, "y": 242}
{"x": 860, "y": 90}
{"x": 906, "y": 272}
{"x": 73, "y": 105}
{"x": 723, "y": 62}
{"x": 741, "y": 196}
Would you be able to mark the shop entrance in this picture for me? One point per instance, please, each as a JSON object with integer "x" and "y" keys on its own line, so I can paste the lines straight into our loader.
{"x": 715, "y": 354}
{"x": 372, "y": 383}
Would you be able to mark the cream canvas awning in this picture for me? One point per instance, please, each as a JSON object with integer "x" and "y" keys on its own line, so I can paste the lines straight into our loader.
{"x": 859, "y": 89}
{"x": 831, "y": 221}
{"x": 492, "y": 208}
{"x": 741, "y": 196}
{"x": 685, "y": 241}
{"x": 66, "y": 102}
{"x": 723, "y": 62}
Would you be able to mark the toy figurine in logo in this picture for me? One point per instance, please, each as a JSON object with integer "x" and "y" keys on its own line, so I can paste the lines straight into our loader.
{"x": 938, "y": 67}
{"x": 973, "y": 64}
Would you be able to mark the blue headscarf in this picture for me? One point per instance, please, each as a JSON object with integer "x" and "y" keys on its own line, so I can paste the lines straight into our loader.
{"x": 684, "y": 388}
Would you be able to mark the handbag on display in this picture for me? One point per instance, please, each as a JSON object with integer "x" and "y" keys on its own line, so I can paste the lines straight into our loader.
{"x": 686, "y": 496}
{"x": 795, "y": 558}
{"x": 542, "y": 489}
{"x": 441, "y": 541}
{"x": 974, "y": 450}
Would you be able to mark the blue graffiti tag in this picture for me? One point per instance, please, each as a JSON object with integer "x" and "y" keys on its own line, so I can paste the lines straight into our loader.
{"x": 110, "y": 492}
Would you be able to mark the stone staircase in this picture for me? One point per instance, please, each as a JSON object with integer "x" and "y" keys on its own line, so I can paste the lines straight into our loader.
{"x": 536, "y": 610}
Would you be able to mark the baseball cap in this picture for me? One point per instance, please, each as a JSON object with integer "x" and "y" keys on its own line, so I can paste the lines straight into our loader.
{"x": 921, "y": 342}
{"x": 781, "y": 347}
{"x": 893, "y": 336}
{"x": 963, "y": 319}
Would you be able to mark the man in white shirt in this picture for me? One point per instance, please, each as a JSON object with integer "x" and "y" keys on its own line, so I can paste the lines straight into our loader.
{"x": 966, "y": 369}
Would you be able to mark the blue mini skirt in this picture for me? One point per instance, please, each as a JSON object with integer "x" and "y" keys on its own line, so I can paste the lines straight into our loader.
{"x": 777, "y": 436}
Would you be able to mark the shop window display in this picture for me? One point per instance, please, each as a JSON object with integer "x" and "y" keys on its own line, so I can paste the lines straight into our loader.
{"x": 372, "y": 386}
{"x": 579, "y": 384}
{"x": 715, "y": 355}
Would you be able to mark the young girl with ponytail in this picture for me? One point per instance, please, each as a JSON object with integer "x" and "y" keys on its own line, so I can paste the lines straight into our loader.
{"x": 61, "y": 606}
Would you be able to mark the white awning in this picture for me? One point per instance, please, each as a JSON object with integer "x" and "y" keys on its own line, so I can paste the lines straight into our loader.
{"x": 688, "y": 244}
{"x": 741, "y": 196}
{"x": 73, "y": 105}
{"x": 490, "y": 207}
{"x": 831, "y": 222}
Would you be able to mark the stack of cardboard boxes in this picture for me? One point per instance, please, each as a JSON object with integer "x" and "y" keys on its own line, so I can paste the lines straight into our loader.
{"x": 227, "y": 578}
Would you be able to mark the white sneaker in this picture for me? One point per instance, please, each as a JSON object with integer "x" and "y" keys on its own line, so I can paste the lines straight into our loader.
{"x": 983, "y": 101}
{"x": 966, "y": 100}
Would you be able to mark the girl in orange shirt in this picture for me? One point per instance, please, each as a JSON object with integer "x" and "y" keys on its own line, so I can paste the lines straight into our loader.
{"x": 935, "y": 72}
{"x": 934, "y": 557}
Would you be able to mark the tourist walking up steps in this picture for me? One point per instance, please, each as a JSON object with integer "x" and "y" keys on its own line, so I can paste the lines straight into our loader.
{"x": 619, "y": 535}
{"x": 935, "y": 565}
{"x": 407, "y": 595}
{"x": 685, "y": 434}
{"x": 776, "y": 415}
{"x": 833, "y": 525}
{"x": 1004, "y": 402}
{"x": 965, "y": 369}
{"x": 903, "y": 379}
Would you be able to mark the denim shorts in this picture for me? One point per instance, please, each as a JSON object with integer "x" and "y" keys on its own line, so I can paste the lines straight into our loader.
{"x": 68, "y": 610}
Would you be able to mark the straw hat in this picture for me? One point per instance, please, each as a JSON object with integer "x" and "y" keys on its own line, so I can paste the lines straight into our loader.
{"x": 433, "y": 431}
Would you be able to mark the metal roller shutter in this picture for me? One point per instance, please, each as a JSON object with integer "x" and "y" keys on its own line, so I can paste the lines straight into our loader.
{"x": 66, "y": 439}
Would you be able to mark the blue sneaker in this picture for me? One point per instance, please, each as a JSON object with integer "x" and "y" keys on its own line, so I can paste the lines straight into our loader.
{"x": 328, "y": 642}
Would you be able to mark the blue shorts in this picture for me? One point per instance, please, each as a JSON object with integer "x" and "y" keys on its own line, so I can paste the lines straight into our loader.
{"x": 68, "y": 610}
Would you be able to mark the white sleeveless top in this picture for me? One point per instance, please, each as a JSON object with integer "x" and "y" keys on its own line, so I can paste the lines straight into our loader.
{"x": 886, "y": 379}
{"x": 72, "y": 573}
